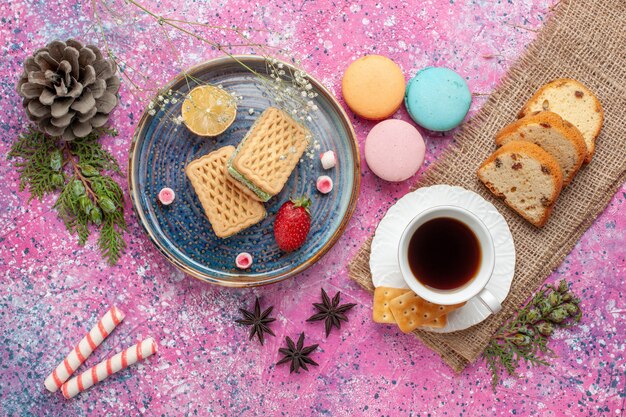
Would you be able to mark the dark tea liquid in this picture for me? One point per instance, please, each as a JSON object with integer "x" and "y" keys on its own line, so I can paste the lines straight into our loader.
{"x": 444, "y": 254}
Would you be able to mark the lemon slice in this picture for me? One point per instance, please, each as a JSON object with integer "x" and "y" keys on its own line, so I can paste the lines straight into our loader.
{"x": 208, "y": 110}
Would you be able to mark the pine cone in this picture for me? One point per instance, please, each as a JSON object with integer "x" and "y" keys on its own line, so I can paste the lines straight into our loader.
{"x": 68, "y": 89}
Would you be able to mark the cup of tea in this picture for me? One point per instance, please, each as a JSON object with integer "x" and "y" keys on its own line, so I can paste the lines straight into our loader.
{"x": 446, "y": 256}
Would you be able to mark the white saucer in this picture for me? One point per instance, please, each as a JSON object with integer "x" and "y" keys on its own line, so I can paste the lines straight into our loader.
{"x": 384, "y": 254}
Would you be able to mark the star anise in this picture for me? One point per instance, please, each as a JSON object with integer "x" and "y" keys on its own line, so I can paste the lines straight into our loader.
{"x": 258, "y": 321}
{"x": 331, "y": 311}
{"x": 297, "y": 354}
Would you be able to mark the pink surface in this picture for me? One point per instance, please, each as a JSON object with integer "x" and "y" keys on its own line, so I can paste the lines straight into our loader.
{"x": 53, "y": 290}
{"x": 394, "y": 150}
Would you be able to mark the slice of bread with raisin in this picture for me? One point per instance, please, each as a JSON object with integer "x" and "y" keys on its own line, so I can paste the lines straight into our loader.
{"x": 575, "y": 103}
{"x": 527, "y": 177}
{"x": 558, "y": 137}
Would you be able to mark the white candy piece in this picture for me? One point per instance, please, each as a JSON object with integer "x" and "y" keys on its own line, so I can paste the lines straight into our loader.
{"x": 329, "y": 160}
{"x": 167, "y": 196}
{"x": 243, "y": 260}
{"x": 324, "y": 184}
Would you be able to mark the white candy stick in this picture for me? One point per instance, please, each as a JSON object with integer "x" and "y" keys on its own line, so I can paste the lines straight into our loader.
{"x": 104, "y": 369}
{"x": 83, "y": 349}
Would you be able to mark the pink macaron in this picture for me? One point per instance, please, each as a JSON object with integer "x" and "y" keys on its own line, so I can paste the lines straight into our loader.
{"x": 394, "y": 150}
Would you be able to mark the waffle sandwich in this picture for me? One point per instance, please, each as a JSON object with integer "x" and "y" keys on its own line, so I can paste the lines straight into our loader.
{"x": 268, "y": 154}
{"x": 227, "y": 207}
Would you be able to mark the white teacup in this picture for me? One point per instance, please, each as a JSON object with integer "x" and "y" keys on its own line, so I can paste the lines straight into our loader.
{"x": 476, "y": 286}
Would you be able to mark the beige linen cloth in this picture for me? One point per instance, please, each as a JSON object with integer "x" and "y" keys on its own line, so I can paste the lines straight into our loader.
{"x": 585, "y": 40}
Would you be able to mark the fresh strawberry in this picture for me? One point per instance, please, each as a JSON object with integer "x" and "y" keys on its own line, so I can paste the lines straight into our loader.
{"x": 292, "y": 224}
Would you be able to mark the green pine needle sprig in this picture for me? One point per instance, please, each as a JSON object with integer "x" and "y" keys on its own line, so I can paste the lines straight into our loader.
{"x": 39, "y": 165}
{"x": 89, "y": 198}
{"x": 524, "y": 338}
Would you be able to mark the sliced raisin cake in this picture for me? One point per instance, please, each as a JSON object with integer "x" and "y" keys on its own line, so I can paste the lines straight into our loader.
{"x": 575, "y": 103}
{"x": 558, "y": 137}
{"x": 527, "y": 177}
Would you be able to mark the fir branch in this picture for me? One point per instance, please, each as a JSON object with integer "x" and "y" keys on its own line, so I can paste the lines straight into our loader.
{"x": 89, "y": 198}
{"x": 525, "y": 337}
{"x": 75, "y": 220}
{"x": 39, "y": 166}
{"x": 89, "y": 151}
{"x": 110, "y": 241}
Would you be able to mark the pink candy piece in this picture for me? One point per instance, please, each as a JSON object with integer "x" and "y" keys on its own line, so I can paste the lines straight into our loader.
{"x": 324, "y": 184}
{"x": 328, "y": 159}
{"x": 243, "y": 260}
{"x": 167, "y": 196}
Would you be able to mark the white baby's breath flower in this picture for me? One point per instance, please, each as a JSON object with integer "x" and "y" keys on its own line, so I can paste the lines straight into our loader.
{"x": 151, "y": 112}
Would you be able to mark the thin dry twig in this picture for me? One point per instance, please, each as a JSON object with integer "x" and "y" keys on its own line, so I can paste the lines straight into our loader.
{"x": 521, "y": 27}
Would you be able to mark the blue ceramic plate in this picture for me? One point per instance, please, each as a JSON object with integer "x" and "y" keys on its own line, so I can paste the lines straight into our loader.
{"x": 161, "y": 149}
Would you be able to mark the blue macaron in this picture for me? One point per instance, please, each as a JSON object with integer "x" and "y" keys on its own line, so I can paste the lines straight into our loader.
{"x": 437, "y": 99}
